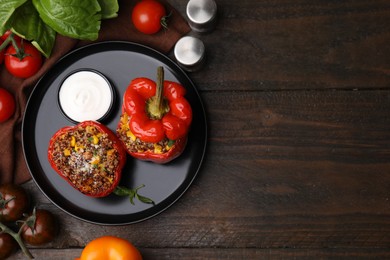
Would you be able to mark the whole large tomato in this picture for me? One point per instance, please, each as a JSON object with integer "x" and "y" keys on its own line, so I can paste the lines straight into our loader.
{"x": 149, "y": 16}
{"x": 13, "y": 201}
{"x": 7, "y": 245}
{"x": 25, "y": 63}
{"x": 110, "y": 248}
{"x": 41, "y": 227}
{"x": 7, "y": 105}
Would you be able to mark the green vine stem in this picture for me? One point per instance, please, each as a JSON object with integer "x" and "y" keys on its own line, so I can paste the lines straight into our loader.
{"x": 20, "y": 54}
{"x": 17, "y": 238}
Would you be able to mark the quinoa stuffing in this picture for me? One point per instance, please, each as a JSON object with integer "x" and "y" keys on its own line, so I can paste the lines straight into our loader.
{"x": 134, "y": 144}
{"x": 87, "y": 157}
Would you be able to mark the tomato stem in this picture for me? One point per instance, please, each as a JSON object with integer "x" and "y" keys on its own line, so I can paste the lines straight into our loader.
{"x": 164, "y": 20}
{"x": 10, "y": 39}
{"x": 20, "y": 53}
{"x": 4, "y": 202}
{"x": 5, "y": 43}
{"x": 18, "y": 238}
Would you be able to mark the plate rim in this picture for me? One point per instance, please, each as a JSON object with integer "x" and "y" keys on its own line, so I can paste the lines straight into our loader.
{"x": 177, "y": 68}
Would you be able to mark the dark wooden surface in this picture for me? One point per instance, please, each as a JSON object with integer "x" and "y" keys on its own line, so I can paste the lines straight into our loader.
{"x": 298, "y": 159}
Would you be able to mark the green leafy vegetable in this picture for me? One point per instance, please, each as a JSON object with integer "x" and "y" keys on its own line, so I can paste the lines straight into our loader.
{"x": 75, "y": 18}
{"x": 7, "y": 8}
{"x": 28, "y": 24}
{"x": 39, "y": 21}
{"x": 109, "y": 8}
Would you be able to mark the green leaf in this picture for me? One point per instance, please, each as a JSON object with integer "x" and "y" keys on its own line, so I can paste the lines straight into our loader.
{"x": 122, "y": 191}
{"x": 144, "y": 199}
{"x": 7, "y": 8}
{"x": 28, "y": 24}
{"x": 109, "y": 8}
{"x": 132, "y": 193}
{"x": 78, "y": 19}
{"x": 132, "y": 199}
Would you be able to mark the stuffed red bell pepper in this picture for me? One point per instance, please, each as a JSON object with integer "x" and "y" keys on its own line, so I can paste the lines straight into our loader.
{"x": 89, "y": 157}
{"x": 156, "y": 119}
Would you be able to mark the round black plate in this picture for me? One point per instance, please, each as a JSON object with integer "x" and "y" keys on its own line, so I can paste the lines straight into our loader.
{"x": 120, "y": 62}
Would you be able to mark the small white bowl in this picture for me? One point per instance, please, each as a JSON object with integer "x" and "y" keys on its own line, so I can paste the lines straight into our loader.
{"x": 86, "y": 94}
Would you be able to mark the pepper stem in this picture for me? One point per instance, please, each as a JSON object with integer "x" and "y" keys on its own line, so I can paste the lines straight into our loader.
{"x": 159, "y": 88}
{"x": 157, "y": 106}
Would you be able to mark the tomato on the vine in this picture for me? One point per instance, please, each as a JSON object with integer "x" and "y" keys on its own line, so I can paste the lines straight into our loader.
{"x": 2, "y": 52}
{"x": 25, "y": 62}
{"x": 40, "y": 227}
{"x": 7, "y": 245}
{"x": 13, "y": 201}
{"x": 149, "y": 16}
{"x": 7, "y": 105}
{"x": 7, "y": 34}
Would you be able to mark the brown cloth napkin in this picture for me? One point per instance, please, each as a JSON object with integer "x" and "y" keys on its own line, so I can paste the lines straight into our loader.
{"x": 13, "y": 167}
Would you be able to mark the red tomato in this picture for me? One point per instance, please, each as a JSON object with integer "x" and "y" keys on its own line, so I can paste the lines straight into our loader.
{"x": 13, "y": 202}
{"x": 7, "y": 245}
{"x": 7, "y": 105}
{"x": 27, "y": 64}
{"x": 2, "y": 52}
{"x": 7, "y": 33}
{"x": 149, "y": 16}
{"x": 41, "y": 228}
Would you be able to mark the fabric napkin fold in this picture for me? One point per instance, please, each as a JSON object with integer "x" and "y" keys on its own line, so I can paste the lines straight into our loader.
{"x": 13, "y": 168}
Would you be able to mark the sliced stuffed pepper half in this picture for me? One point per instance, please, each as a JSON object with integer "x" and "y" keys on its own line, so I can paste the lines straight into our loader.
{"x": 89, "y": 157}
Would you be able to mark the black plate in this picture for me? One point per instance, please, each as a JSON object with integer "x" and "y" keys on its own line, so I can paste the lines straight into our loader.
{"x": 120, "y": 62}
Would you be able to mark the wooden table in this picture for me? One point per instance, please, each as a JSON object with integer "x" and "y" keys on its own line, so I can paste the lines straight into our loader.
{"x": 298, "y": 158}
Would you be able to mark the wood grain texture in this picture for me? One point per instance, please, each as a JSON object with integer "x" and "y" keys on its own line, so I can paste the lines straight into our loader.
{"x": 296, "y": 169}
{"x": 298, "y": 158}
{"x": 279, "y": 45}
{"x": 229, "y": 254}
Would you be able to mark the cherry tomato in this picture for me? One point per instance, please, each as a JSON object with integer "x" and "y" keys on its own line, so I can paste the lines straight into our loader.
{"x": 27, "y": 64}
{"x": 7, "y": 105}
{"x": 2, "y": 52}
{"x": 13, "y": 202}
{"x": 110, "y": 248}
{"x": 41, "y": 228}
{"x": 149, "y": 16}
{"x": 7, "y": 245}
{"x": 7, "y": 33}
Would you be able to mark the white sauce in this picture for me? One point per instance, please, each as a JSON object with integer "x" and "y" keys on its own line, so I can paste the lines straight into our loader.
{"x": 85, "y": 95}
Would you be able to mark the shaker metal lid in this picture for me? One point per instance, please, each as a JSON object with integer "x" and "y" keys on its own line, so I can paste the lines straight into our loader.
{"x": 201, "y": 12}
{"x": 189, "y": 51}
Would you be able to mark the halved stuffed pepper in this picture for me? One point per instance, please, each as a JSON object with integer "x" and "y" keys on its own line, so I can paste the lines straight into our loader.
{"x": 89, "y": 156}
